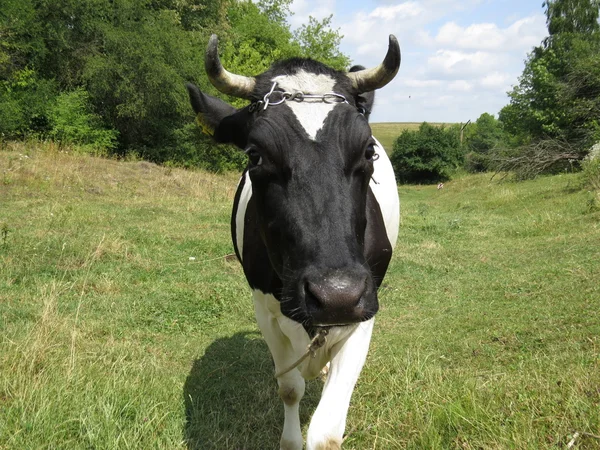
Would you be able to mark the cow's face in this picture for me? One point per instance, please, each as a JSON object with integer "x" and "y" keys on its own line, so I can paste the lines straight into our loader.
{"x": 310, "y": 164}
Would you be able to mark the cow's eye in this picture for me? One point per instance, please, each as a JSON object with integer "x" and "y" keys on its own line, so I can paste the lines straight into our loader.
{"x": 370, "y": 152}
{"x": 254, "y": 157}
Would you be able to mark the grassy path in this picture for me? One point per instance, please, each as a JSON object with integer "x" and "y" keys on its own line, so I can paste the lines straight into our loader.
{"x": 123, "y": 324}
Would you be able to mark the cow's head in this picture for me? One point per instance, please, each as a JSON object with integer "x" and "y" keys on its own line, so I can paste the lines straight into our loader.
{"x": 310, "y": 159}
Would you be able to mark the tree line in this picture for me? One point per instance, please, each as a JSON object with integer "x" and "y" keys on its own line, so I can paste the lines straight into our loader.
{"x": 550, "y": 124}
{"x": 109, "y": 75}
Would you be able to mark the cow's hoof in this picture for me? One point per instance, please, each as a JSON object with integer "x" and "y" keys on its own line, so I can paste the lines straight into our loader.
{"x": 290, "y": 444}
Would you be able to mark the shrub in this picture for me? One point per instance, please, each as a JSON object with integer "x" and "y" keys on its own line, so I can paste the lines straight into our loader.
{"x": 428, "y": 155}
{"x": 476, "y": 162}
{"x": 194, "y": 149}
{"x": 73, "y": 122}
{"x": 24, "y": 102}
{"x": 591, "y": 173}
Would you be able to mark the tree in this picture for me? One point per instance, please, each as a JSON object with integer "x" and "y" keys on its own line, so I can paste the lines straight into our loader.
{"x": 88, "y": 70}
{"x": 428, "y": 155}
{"x": 571, "y": 16}
{"x": 318, "y": 41}
{"x": 482, "y": 138}
{"x": 558, "y": 93}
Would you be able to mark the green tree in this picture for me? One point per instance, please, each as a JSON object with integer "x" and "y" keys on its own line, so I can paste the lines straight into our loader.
{"x": 571, "y": 16}
{"x": 481, "y": 139}
{"x": 73, "y": 122}
{"x": 86, "y": 70}
{"x": 557, "y": 94}
{"x": 427, "y": 155}
{"x": 318, "y": 41}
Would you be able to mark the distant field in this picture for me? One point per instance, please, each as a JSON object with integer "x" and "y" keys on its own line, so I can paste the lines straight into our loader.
{"x": 124, "y": 324}
{"x": 387, "y": 132}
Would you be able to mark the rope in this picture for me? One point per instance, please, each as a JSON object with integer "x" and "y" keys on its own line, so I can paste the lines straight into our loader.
{"x": 317, "y": 342}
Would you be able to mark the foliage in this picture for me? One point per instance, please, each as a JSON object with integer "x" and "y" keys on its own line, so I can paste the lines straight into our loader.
{"x": 196, "y": 150}
{"x": 132, "y": 59}
{"x": 24, "y": 102}
{"x": 571, "y": 16}
{"x": 484, "y": 135}
{"x": 481, "y": 139}
{"x": 558, "y": 95}
{"x": 427, "y": 155}
{"x": 591, "y": 173}
{"x": 73, "y": 122}
{"x": 318, "y": 41}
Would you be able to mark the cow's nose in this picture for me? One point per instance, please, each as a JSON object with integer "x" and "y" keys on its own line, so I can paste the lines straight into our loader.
{"x": 336, "y": 298}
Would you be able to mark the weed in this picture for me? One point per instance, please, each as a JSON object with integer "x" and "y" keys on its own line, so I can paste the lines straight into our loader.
{"x": 4, "y": 234}
{"x": 592, "y": 203}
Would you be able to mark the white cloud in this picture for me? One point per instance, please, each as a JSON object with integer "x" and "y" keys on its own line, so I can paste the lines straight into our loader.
{"x": 401, "y": 11}
{"x": 459, "y": 58}
{"x": 460, "y": 85}
{"x": 455, "y": 64}
{"x": 496, "y": 80}
{"x": 417, "y": 83}
{"x": 521, "y": 35}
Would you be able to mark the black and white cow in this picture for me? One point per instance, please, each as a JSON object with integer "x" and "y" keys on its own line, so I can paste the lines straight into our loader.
{"x": 315, "y": 219}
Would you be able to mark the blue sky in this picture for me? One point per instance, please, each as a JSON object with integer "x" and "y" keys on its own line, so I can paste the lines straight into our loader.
{"x": 459, "y": 58}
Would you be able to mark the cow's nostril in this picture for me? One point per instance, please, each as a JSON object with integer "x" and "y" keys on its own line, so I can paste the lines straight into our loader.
{"x": 336, "y": 291}
{"x": 313, "y": 302}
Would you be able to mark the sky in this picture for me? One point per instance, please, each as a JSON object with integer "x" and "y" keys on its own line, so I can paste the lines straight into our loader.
{"x": 459, "y": 58}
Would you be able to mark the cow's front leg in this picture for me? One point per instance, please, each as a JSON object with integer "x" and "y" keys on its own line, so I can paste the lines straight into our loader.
{"x": 327, "y": 425}
{"x": 291, "y": 384}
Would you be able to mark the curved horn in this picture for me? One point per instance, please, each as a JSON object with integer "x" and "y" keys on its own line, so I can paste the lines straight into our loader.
{"x": 226, "y": 82}
{"x": 370, "y": 79}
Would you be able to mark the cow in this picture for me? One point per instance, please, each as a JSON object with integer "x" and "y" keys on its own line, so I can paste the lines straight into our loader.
{"x": 314, "y": 221}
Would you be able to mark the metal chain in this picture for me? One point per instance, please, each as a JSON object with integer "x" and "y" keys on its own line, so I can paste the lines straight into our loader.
{"x": 330, "y": 97}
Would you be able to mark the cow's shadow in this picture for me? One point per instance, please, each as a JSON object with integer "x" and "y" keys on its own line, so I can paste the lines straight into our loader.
{"x": 230, "y": 397}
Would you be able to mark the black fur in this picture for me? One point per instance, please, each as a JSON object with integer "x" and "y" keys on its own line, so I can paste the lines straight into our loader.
{"x": 313, "y": 232}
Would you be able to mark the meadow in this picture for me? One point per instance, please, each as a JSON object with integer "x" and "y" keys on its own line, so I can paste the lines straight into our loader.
{"x": 387, "y": 132}
{"x": 125, "y": 322}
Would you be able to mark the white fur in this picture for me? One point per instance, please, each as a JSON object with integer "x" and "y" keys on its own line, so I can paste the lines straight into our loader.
{"x": 346, "y": 348}
{"x": 384, "y": 187}
{"x": 241, "y": 214}
{"x": 311, "y": 113}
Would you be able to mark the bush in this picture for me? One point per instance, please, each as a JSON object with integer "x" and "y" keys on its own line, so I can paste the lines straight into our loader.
{"x": 73, "y": 122}
{"x": 192, "y": 149}
{"x": 591, "y": 173}
{"x": 428, "y": 155}
{"x": 24, "y": 103}
{"x": 476, "y": 162}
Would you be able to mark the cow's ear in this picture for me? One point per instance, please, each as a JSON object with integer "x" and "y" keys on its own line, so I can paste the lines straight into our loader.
{"x": 364, "y": 101}
{"x": 210, "y": 111}
{"x": 234, "y": 129}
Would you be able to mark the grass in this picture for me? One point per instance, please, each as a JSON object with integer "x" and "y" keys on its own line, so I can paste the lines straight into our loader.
{"x": 112, "y": 337}
{"x": 387, "y": 132}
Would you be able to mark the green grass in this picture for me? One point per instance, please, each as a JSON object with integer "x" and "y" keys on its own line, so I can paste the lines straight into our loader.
{"x": 387, "y": 132}
{"x": 111, "y": 337}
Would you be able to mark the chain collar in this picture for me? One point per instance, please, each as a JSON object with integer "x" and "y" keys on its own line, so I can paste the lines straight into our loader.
{"x": 274, "y": 98}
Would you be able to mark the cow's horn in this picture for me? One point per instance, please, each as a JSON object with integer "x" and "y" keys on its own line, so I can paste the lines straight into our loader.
{"x": 370, "y": 79}
{"x": 224, "y": 81}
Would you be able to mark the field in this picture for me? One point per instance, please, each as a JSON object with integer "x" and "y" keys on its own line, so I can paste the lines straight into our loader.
{"x": 387, "y": 132}
{"x": 126, "y": 324}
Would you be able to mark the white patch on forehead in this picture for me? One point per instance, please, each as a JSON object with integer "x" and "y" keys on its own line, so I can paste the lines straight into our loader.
{"x": 311, "y": 113}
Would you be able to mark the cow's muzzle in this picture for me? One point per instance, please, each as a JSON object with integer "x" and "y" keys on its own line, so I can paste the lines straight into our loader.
{"x": 339, "y": 297}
